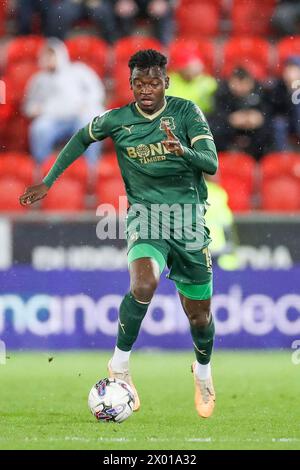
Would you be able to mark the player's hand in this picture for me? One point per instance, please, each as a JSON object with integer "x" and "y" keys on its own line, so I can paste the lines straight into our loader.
{"x": 172, "y": 144}
{"x": 33, "y": 194}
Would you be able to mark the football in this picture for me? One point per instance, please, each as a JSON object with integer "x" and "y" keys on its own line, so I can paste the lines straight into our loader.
{"x": 111, "y": 400}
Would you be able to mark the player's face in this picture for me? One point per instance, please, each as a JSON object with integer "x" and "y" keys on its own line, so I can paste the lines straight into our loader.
{"x": 148, "y": 86}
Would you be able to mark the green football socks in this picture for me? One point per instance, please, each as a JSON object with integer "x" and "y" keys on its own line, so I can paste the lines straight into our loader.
{"x": 131, "y": 316}
{"x": 203, "y": 340}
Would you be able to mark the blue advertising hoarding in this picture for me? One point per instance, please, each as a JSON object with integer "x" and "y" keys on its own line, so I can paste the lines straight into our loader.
{"x": 71, "y": 309}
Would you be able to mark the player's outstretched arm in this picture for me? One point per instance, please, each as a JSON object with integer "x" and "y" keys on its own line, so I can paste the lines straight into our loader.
{"x": 76, "y": 146}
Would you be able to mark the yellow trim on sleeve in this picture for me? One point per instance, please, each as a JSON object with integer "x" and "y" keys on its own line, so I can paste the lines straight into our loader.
{"x": 90, "y": 131}
{"x": 199, "y": 137}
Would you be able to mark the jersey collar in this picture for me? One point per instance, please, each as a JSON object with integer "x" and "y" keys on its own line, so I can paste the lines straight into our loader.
{"x": 151, "y": 116}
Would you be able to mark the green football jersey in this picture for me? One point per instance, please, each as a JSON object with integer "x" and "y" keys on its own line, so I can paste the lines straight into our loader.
{"x": 151, "y": 174}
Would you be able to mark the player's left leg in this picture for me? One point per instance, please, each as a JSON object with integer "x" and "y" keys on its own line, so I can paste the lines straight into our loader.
{"x": 198, "y": 310}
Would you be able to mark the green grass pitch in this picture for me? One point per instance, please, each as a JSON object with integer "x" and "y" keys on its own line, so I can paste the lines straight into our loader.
{"x": 43, "y": 404}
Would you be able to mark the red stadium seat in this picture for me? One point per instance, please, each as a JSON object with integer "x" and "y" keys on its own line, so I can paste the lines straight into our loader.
{"x": 218, "y": 3}
{"x": 281, "y": 195}
{"x": 109, "y": 191}
{"x": 280, "y": 183}
{"x": 198, "y": 19}
{"x": 109, "y": 181}
{"x": 17, "y": 165}
{"x": 66, "y": 195}
{"x": 252, "y": 17}
{"x": 77, "y": 172}
{"x": 251, "y": 53}
{"x": 107, "y": 167}
{"x": 6, "y": 113}
{"x": 127, "y": 46}
{"x": 287, "y": 47}
{"x": 118, "y": 101}
{"x": 237, "y": 176}
{"x": 90, "y": 50}
{"x": 16, "y": 133}
{"x": 122, "y": 94}
{"x": 279, "y": 163}
{"x": 10, "y": 191}
{"x": 3, "y": 15}
{"x": 16, "y": 79}
{"x": 24, "y": 49}
{"x": 204, "y": 48}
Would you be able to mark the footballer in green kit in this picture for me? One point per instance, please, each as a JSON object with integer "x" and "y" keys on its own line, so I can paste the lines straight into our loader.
{"x": 164, "y": 146}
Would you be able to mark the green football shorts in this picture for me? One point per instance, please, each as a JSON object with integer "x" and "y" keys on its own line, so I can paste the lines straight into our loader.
{"x": 190, "y": 269}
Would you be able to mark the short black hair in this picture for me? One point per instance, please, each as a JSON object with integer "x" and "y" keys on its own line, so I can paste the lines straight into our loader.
{"x": 147, "y": 58}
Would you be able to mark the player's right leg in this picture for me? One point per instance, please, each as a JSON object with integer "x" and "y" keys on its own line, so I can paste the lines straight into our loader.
{"x": 145, "y": 266}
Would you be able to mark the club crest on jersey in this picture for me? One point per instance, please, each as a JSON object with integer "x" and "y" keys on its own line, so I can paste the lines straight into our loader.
{"x": 169, "y": 121}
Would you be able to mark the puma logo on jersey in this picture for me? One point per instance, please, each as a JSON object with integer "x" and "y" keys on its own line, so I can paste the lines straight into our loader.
{"x": 128, "y": 128}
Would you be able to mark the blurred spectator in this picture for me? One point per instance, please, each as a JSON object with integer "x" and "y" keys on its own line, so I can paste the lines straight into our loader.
{"x": 60, "y": 99}
{"x": 220, "y": 221}
{"x": 157, "y": 12}
{"x": 286, "y": 110}
{"x": 286, "y": 18}
{"x": 26, "y": 9}
{"x": 64, "y": 13}
{"x": 190, "y": 82}
{"x": 241, "y": 119}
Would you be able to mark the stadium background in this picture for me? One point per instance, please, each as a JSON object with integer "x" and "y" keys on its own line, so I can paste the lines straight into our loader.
{"x": 60, "y": 286}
